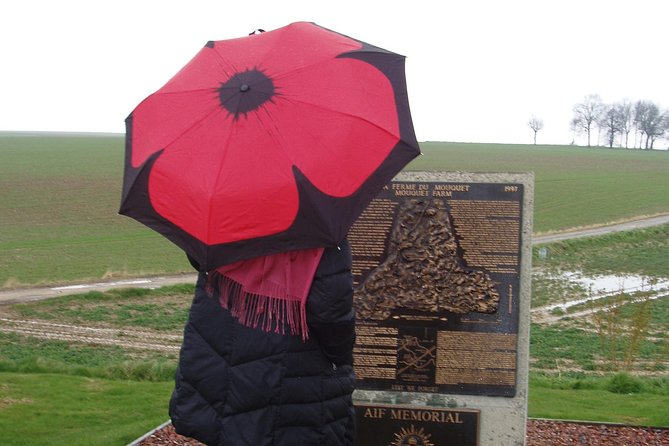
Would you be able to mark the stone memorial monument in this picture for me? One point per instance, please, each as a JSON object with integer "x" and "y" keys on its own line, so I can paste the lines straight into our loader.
{"x": 441, "y": 265}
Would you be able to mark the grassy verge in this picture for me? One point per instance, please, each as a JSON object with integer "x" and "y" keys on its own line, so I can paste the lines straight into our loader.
{"x": 566, "y": 347}
{"x": 642, "y": 251}
{"x": 68, "y": 393}
{"x": 21, "y": 354}
{"x": 63, "y": 410}
{"x": 163, "y": 309}
{"x": 616, "y": 399}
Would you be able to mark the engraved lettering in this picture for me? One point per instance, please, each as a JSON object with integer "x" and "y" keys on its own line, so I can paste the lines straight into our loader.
{"x": 427, "y": 416}
{"x": 375, "y": 412}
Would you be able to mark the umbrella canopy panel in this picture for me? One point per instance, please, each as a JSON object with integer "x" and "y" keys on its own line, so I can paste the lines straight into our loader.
{"x": 267, "y": 143}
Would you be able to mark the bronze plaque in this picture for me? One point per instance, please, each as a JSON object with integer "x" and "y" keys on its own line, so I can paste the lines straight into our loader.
{"x": 437, "y": 270}
{"x": 381, "y": 425}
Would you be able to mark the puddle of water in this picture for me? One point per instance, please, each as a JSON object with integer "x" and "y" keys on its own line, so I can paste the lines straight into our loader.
{"x": 601, "y": 286}
{"x": 616, "y": 284}
{"x": 101, "y": 284}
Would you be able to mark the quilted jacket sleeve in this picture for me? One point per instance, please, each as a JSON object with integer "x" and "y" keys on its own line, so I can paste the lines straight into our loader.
{"x": 330, "y": 313}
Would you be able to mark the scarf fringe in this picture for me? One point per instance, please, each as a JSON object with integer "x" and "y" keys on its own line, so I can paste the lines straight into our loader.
{"x": 260, "y": 311}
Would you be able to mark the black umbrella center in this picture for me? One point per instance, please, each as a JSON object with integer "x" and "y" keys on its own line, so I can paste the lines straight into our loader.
{"x": 245, "y": 91}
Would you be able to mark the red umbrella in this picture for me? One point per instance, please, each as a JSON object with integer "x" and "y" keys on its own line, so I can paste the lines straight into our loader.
{"x": 267, "y": 143}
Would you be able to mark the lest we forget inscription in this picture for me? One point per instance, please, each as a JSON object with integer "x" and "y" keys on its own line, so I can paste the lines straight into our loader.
{"x": 436, "y": 268}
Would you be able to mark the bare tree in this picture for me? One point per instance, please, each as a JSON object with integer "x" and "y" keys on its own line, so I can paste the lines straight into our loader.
{"x": 650, "y": 120}
{"x": 535, "y": 124}
{"x": 611, "y": 121}
{"x": 624, "y": 110}
{"x": 637, "y": 112}
{"x": 587, "y": 113}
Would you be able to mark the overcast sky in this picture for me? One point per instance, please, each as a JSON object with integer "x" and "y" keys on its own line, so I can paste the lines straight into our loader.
{"x": 476, "y": 69}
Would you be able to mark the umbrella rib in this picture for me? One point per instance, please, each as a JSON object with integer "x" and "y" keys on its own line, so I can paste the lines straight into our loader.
{"x": 280, "y": 143}
{"x": 351, "y": 115}
{"x": 194, "y": 90}
{"x": 217, "y": 179}
{"x": 275, "y": 134}
{"x": 190, "y": 127}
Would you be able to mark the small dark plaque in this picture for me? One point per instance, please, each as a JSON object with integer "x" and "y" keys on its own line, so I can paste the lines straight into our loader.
{"x": 386, "y": 425}
{"x": 437, "y": 273}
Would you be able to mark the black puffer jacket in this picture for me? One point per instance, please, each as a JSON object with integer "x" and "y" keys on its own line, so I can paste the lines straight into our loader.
{"x": 241, "y": 386}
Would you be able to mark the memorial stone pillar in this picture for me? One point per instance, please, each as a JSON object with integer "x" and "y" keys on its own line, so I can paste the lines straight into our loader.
{"x": 442, "y": 268}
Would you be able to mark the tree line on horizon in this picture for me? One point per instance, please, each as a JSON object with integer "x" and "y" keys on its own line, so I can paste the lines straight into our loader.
{"x": 645, "y": 120}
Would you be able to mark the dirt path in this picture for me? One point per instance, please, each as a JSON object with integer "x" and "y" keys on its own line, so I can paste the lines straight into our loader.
{"x": 128, "y": 338}
{"x": 601, "y": 230}
{"x": 123, "y": 337}
{"x": 17, "y": 295}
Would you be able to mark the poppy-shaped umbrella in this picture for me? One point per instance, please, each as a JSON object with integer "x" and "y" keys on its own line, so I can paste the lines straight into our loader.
{"x": 267, "y": 143}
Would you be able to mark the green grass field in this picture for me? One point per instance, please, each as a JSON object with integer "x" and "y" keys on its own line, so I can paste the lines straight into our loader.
{"x": 64, "y": 410}
{"x": 574, "y": 186}
{"x": 60, "y": 196}
{"x": 59, "y": 220}
{"x": 600, "y": 399}
{"x": 58, "y": 224}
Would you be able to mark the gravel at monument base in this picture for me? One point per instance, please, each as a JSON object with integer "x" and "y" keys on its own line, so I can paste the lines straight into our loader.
{"x": 539, "y": 433}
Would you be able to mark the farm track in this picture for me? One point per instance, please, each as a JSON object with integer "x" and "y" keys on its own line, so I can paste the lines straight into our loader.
{"x": 123, "y": 337}
{"x": 647, "y": 222}
{"x": 18, "y": 295}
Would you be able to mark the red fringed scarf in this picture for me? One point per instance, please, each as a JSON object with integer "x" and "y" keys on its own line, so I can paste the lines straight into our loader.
{"x": 269, "y": 291}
